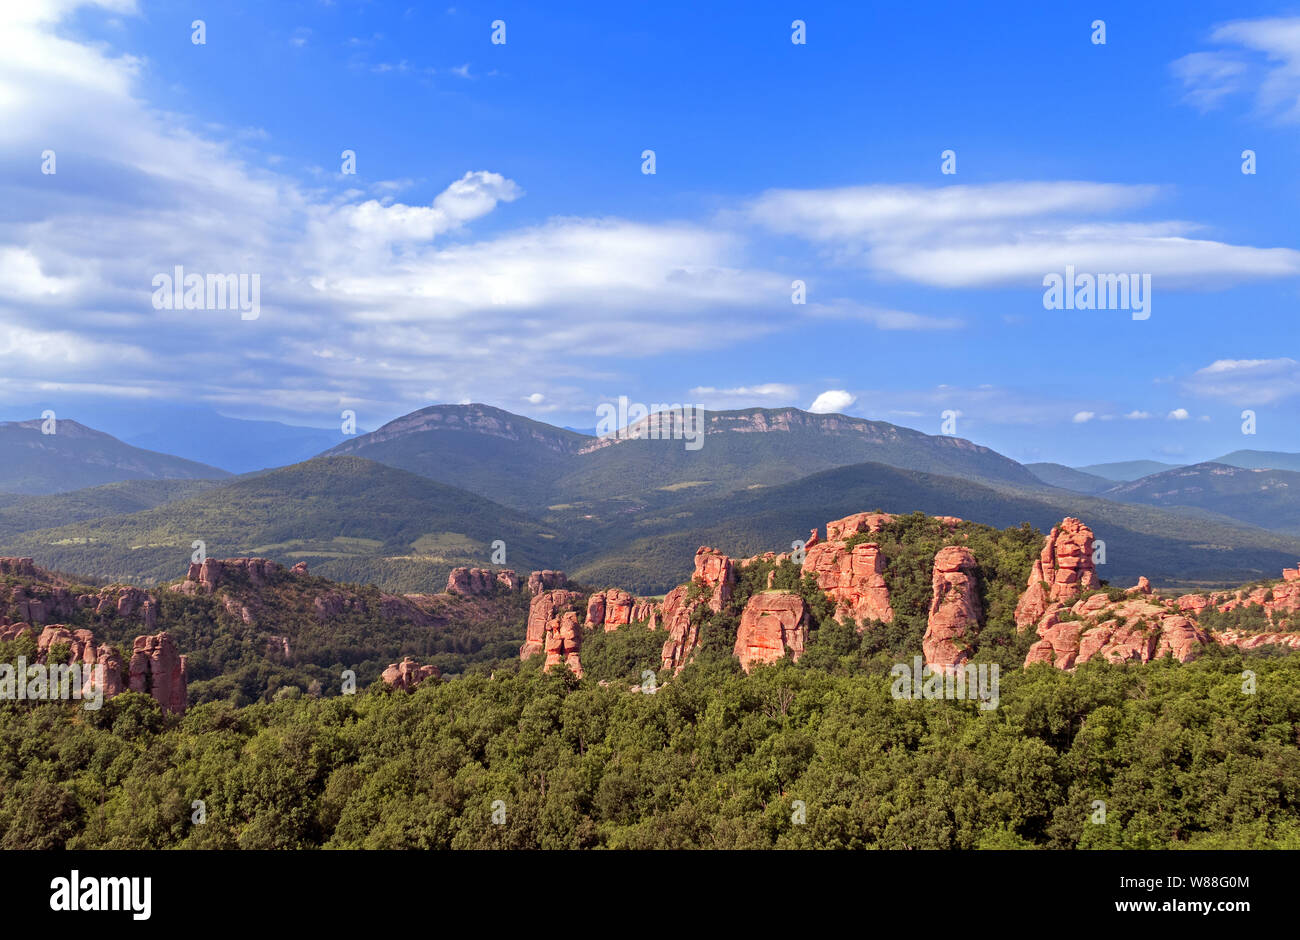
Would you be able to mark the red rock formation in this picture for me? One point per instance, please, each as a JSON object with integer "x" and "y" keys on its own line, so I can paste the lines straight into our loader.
{"x": 408, "y": 674}
{"x": 954, "y": 608}
{"x": 299, "y": 568}
{"x": 1063, "y": 570}
{"x": 614, "y": 608}
{"x": 1138, "y": 628}
{"x": 563, "y": 640}
{"x": 474, "y": 582}
{"x": 158, "y": 669}
{"x": 12, "y": 631}
{"x": 772, "y": 622}
{"x": 207, "y": 577}
{"x": 1291, "y": 574}
{"x": 840, "y": 529}
{"x": 715, "y": 575}
{"x": 853, "y": 579}
{"x": 1250, "y": 641}
{"x": 539, "y": 581}
{"x": 541, "y": 610}
{"x": 83, "y": 649}
{"x": 18, "y": 567}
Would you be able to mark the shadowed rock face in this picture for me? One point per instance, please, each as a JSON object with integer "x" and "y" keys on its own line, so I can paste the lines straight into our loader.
{"x": 954, "y": 608}
{"x": 206, "y": 577}
{"x": 539, "y": 581}
{"x": 1062, "y": 572}
{"x": 158, "y": 669}
{"x": 82, "y": 649}
{"x": 772, "y": 622}
{"x": 408, "y": 674}
{"x": 715, "y": 574}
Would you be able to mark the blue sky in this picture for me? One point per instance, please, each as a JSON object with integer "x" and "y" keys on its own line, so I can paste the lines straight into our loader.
{"x": 499, "y": 242}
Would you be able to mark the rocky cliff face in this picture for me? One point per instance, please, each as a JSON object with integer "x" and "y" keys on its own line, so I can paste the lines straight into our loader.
{"x": 1063, "y": 570}
{"x": 1138, "y": 628}
{"x": 772, "y": 623}
{"x": 713, "y": 579}
{"x": 853, "y": 578}
{"x": 955, "y": 613}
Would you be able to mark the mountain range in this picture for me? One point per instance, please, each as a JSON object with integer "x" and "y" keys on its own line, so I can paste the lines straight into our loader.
{"x": 452, "y": 485}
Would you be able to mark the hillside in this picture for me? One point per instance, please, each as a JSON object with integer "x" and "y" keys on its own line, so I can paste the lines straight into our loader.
{"x": 1125, "y": 470}
{"x": 644, "y": 553}
{"x": 27, "y": 513}
{"x": 1269, "y": 499}
{"x": 1067, "y": 478}
{"x": 1261, "y": 460}
{"x": 531, "y": 465}
{"x": 75, "y": 457}
{"x": 512, "y": 460}
{"x": 350, "y": 519}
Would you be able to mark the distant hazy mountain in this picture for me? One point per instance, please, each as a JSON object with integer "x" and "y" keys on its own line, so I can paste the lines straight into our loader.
{"x": 1126, "y": 470}
{"x": 531, "y": 465}
{"x": 75, "y": 456}
{"x": 1269, "y": 499}
{"x": 350, "y": 519}
{"x": 1067, "y": 478}
{"x": 197, "y": 432}
{"x": 1261, "y": 460}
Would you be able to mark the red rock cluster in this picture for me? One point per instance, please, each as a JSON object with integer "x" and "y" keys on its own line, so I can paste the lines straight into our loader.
{"x": 539, "y": 581}
{"x": 772, "y": 622}
{"x": 18, "y": 567}
{"x": 954, "y": 608}
{"x": 473, "y": 582}
{"x": 614, "y": 608}
{"x": 206, "y": 577}
{"x": 408, "y": 674}
{"x": 1137, "y": 629}
{"x": 545, "y": 612}
{"x": 715, "y": 575}
{"x": 83, "y": 649}
{"x": 854, "y": 579}
{"x": 1279, "y": 598}
{"x": 1064, "y": 570}
{"x": 158, "y": 669}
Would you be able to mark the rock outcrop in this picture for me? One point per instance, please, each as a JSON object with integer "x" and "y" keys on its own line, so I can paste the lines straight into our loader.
{"x": 408, "y": 674}
{"x": 474, "y": 582}
{"x": 1138, "y": 628}
{"x": 772, "y": 623}
{"x": 853, "y": 578}
{"x": 83, "y": 649}
{"x": 206, "y": 577}
{"x": 563, "y": 641}
{"x": 614, "y": 608}
{"x": 158, "y": 669}
{"x": 710, "y": 586}
{"x": 543, "y": 609}
{"x": 1063, "y": 571}
{"x": 539, "y": 581}
{"x": 954, "y": 609}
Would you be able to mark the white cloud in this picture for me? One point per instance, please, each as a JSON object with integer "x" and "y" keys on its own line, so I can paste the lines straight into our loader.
{"x": 1083, "y": 417}
{"x": 1247, "y": 382}
{"x": 1178, "y": 414}
{"x": 1263, "y": 58}
{"x": 536, "y": 398}
{"x": 1009, "y": 233}
{"x": 1137, "y": 415}
{"x": 830, "y": 402}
